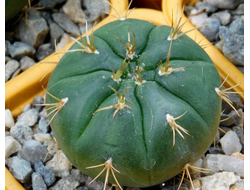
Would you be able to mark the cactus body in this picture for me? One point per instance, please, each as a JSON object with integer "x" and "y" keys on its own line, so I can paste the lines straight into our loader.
{"x": 139, "y": 140}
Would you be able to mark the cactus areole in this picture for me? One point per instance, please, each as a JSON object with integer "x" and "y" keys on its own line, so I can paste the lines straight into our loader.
{"x": 122, "y": 113}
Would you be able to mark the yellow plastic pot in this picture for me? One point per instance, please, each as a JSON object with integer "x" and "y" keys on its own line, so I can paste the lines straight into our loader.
{"x": 23, "y": 88}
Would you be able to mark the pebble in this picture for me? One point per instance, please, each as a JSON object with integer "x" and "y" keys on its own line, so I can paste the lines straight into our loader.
{"x": 218, "y": 181}
{"x": 225, "y": 4}
{"x": 47, "y": 174}
{"x": 9, "y": 121}
{"x": 26, "y": 62}
{"x": 233, "y": 46}
{"x": 96, "y": 8}
{"x": 230, "y": 143}
{"x": 43, "y": 125}
{"x": 239, "y": 119}
{"x": 28, "y": 117}
{"x": 237, "y": 26}
{"x": 64, "y": 41}
{"x": 73, "y": 9}
{"x": 35, "y": 152}
{"x": 210, "y": 30}
{"x": 10, "y": 67}
{"x": 240, "y": 134}
{"x": 200, "y": 6}
{"x": 219, "y": 162}
{"x": 66, "y": 23}
{"x": 38, "y": 182}
{"x": 60, "y": 164}
{"x": 44, "y": 50}
{"x": 238, "y": 155}
{"x": 56, "y": 31}
{"x": 11, "y": 146}
{"x": 21, "y": 132}
{"x": 96, "y": 185}
{"x": 197, "y": 19}
{"x": 78, "y": 175}
{"x": 34, "y": 32}
{"x": 227, "y": 120}
{"x": 223, "y": 16}
{"x": 20, "y": 169}
{"x": 38, "y": 100}
{"x": 66, "y": 183}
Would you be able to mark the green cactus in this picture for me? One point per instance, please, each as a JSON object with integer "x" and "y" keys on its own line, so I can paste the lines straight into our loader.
{"x": 135, "y": 103}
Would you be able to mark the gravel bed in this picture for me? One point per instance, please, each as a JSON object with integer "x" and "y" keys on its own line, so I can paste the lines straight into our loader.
{"x": 28, "y": 139}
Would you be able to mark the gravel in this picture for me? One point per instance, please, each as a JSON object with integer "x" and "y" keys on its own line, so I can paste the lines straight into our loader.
{"x": 28, "y": 139}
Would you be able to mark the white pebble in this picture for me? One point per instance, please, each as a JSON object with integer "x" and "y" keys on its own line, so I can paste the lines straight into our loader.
{"x": 219, "y": 181}
{"x": 60, "y": 165}
{"x": 11, "y": 146}
{"x": 230, "y": 143}
{"x": 9, "y": 121}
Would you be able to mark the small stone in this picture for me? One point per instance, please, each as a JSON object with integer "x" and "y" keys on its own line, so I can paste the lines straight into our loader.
{"x": 240, "y": 134}
{"x": 44, "y": 50}
{"x": 210, "y": 30}
{"x": 56, "y": 32}
{"x": 219, "y": 162}
{"x": 197, "y": 18}
{"x": 7, "y": 44}
{"x": 239, "y": 10}
{"x": 42, "y": 138}
{"x": 238, "y": 155}
{"x": 34, "y": 32}
{"x": 237, "y": 26}
{"x": 215, "y": 150}
{"x": 226, "y": 120}
{"x": 48, "y": 4}
{"x": 218, "y": 181}
{"x": 28, "y": 117}
{"x": 225, "y": 4}
{"x": 9, "y": 121}
{"x": 66, "y": 183}
{"x": 21, "y": 132}
{"x": 223, "y": 16}
{"x": 7, "y": 58}
{"x": 26, "y": 62}
{"x": 20, "y": 169}
{"x": 230, "y": 143}
{"x": 38, "y": 100}
{"x": 73, "y": 9}
{"x": 66, "y": 23}
{"x": 43, "y": 125}
{"x": 11, "y": 146}
{"x": 38, "y": 182}
{"x": 64, "y": 41}
{"x": 31, "y": 143}
{"x": 60, "y": 164}
{"x": 27, "y": 107}
{"x": 239, "y": 119}
{"x": 78, "y": 175}
{"x": 82, "y": 27}
{"x": 96, "y": 8}
{"x": 34, "y": 152}
{"x": 233, "y": 46}
{"x": 200, "y": 6}
{"x": 236, "y": 100}
{"x": 10, "y": 67}
{"x": 96, "y": 185}
{"x": 47, "y": 174}
{"x": 15, "y": 73}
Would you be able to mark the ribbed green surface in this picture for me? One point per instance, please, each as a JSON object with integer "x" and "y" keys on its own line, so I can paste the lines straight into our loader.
{"x": 139, "y": 140}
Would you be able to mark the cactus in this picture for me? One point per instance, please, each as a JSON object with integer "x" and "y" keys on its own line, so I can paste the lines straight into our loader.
{"x": 134, "y": 104}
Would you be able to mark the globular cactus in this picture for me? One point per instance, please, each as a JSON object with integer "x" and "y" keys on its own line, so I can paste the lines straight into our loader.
{"x": 135, "y": 104}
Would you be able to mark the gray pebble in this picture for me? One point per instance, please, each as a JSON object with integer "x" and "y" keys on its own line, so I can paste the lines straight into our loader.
{"x": 27, "y": 107}
{"x": 239, "y": 10}
{"x": 66, "y": 183}
{"x": 78, "y": 175}
{"x": 82, "y": 188}
{"x": 20, "y": 168}
{"x": 26, "y": 62}
{"x": 233, "y": 46}
{"x": 31, "y": 143}
{"x": 44, "y": 50}
{"x": 48, "y": 175}
{"x": 10, "y": 67}
{"x": 38, "y": 182}
{"x": 223, "y": 16}
{"x": 20, "y": 49}
{"x": 7, "y": 58}
{"x": 240, "y": 135}
{"x": 215, "y": 150}
{"x": 210, "y": 30}
{"x": 7, "y": 44}
{"x": 66, "y": 23}
{"x": 219, "y": 162}
{"x": 34, "y": 32}
{"x": 96, "y": 8}
{"x": 21, "y": 132}
{"x": 43, "y": 125}
{"x": 226, "y": 120}
{"x": 38, "y": 100}
{"x": 56, "y": 32}
{"x": 28, "y": 117}
{"x": 9, "y": 120}
{"x": 237, "y": 26}
{"x": 230, "y": 143}
{"x": 73, "y": 9}
{"x": 236, "y": 100}
{"x": 239, "y": 121}
{"x": 33, "y": 153}
{"x": 11, "y": 146}
{"x": 96, "y": 185}
{"x": 200, "y": 6}
{"x": 15, "y": 73}
{"x": 48, "y": 4}
{"x": 225, "y": 4}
